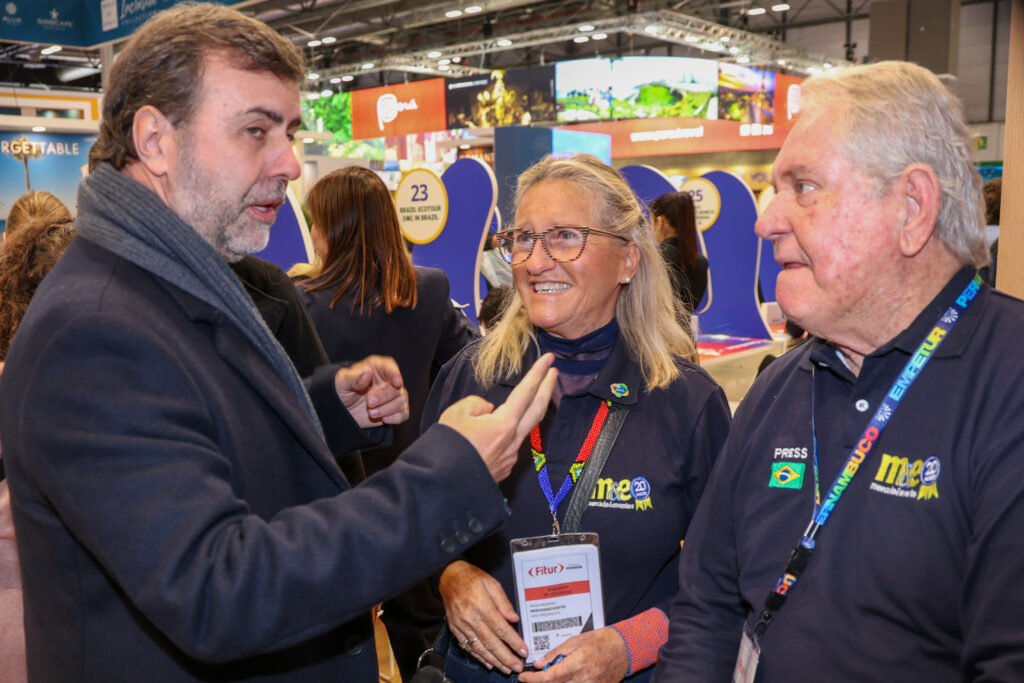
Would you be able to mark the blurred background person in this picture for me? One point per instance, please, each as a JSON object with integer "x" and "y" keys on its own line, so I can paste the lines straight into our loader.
{"x": 993, "y": 191}
{"x": 368, "y": 298}
{"x": 39, "y": 228}
{"x": 495, "y": 270}
{"x": 591, "y": 288}
{"x": 675, "y": 227}
{"x": 282, "y": 309}
{"x": 492, "y": 307}
{"x": 27, "y": 259}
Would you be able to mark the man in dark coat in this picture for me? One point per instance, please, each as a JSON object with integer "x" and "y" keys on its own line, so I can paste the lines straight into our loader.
{"x": 180, "y": 513}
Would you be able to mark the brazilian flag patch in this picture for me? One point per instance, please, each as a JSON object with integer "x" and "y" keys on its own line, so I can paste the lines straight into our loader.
{"x": 787, "y": 475}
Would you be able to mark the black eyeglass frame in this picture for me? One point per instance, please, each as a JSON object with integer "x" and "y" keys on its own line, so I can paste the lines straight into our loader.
{"x": 542, "y": 238}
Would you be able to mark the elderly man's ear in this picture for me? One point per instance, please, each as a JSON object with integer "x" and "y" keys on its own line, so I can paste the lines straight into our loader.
{"x": 922, "y": 202}
{"x": 153, "y": 135}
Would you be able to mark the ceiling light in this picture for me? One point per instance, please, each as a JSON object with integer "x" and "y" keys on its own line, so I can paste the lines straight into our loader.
{"x": 50, "y": 50}
{"x": 651, "y": 28}
{"x": 504, "y": 42}
{"x": 312, "y": 76}
{"x": 314, "y": 43}
{"x": 443, "y": 67}
{"x": 329, "y": 39}
{"x": 599, "y": 36}
{"x": 585, "y": 28}
{"x": 451, "y": 14}
{"x": 38, "y": 129}
{"x": 756, "y": 11}
{"x": 691, "y": 38}
{"x": 335, "y": 81}
{"x": 312, "y": 96}
{"x": 326, "y": 93}
{"x": 444, "y": 62}
{"x": 457, "y": 60}
{"x": 348, "y": 79}
{"x": 827, "y": 65}
{"x": 434, "y": 54}
{"x": 581, "y": 39}
{"x": 307, "y": 141}
{"x": 725, "y": 39}
{"x": 369, "y": 65}
{"x": 473, "y": 9}
{"x": 463, "y": 146}
{"x": 782, "y": 62}
{"x": 734, "y": 50}
{"x": 743, "y": 60}
{"x": 781, "y": 7}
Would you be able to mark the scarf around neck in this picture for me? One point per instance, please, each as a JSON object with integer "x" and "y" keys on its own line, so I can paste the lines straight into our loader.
{"x": 126, "y": 218}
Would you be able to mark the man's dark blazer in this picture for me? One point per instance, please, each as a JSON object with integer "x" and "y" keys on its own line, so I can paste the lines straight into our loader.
{"x": 179, "y": 516}
{"x": 281, "y": 307}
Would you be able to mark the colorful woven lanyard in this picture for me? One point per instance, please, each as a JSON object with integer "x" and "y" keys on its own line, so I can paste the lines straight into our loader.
{"x": 540, "y": 463}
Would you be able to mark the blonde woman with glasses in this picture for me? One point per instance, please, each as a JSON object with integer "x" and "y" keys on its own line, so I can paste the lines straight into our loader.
{"x": 592, "y": 288}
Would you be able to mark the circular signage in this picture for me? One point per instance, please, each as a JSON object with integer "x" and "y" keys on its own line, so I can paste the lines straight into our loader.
{"x": 422, "y": 205}
{"x": 707, "y": 203}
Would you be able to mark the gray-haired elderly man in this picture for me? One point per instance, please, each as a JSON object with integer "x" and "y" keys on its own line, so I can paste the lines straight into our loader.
{"x": 864, "y": 522}
{"x": 180, "y": 514}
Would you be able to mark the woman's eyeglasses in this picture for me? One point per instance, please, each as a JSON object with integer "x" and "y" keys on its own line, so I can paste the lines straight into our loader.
{"x": 563, "y": 243}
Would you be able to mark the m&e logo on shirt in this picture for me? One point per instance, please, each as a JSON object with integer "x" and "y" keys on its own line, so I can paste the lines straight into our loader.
{"x": 627, "y": 494}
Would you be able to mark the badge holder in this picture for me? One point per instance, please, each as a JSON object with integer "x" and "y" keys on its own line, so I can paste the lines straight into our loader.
{"x": 558, "y": 588}
{"x": 748, "y": 658}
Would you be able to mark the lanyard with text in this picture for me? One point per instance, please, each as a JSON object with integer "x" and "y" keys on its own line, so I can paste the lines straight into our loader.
{"x": 540, "y": 463}
{"x": 801, "y": 554}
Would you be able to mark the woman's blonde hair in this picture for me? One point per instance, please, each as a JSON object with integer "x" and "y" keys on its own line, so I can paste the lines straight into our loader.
{"x": 647, "y": 312}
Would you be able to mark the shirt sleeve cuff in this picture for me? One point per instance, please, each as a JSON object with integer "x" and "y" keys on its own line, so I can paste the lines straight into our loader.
{"x": 644, "y": 634}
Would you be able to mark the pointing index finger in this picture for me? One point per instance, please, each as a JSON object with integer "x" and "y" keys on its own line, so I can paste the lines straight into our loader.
{"x": 529, "y": 389}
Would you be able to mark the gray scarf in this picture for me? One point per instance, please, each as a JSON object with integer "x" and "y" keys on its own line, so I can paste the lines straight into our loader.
{"x": 124, "y": 217}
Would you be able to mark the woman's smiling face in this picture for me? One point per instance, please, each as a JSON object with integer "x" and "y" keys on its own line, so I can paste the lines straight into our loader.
{"x": 574, "y": 298}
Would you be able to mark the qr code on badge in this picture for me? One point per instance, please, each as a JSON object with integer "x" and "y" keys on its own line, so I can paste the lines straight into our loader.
{"x": 541, "y": 642}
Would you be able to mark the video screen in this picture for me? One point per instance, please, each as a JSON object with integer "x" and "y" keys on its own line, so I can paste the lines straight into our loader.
{"x": 746, "y": 94}
{"x": 636, "y": 87}
{"x": 502, "y": 98}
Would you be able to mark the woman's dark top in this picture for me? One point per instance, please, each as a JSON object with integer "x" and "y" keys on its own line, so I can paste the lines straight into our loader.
{"x": 420, "y": 339}
{"x": 690, "y": 283}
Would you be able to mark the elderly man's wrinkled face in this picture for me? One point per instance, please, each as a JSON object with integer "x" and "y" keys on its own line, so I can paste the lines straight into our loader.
{"x": 575, "y": 298}
{"x": 834, "y": 237}
{"x": 234, "y": 157}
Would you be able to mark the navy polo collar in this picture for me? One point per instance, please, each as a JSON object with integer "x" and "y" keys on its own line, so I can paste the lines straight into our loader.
{"x": 909, "y": 339}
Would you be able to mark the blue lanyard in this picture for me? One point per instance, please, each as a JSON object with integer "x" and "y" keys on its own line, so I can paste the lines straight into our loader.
{"x": 801, "y": 554}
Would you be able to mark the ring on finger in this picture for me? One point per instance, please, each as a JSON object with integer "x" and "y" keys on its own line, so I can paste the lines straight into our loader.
{"x": 464, "y": 644}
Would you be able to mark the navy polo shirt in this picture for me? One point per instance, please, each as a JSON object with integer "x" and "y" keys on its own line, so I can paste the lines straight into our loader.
{"x": 914, "y": 578}
{"x": 670, "y": 439}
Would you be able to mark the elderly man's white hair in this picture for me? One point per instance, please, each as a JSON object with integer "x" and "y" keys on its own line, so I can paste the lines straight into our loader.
{"x": 889, "y": 115}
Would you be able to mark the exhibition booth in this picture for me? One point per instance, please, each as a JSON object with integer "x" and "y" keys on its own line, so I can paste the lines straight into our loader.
{"x": 451, "y": 148}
